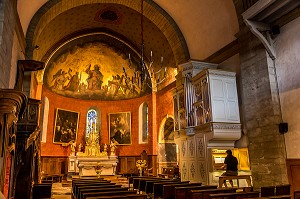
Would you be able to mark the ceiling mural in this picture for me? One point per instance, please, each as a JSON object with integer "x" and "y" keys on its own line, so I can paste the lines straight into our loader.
{"x": 95, "y": 71}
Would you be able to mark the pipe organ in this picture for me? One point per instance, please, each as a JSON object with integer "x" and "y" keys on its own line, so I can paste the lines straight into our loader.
{"x": 206, "y": 116}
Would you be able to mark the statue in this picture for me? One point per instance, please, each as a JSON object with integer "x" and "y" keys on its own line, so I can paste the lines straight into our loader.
{"x": 73, "y": 145}
{"x": 105, "y": 148}
{"x": 112, "y": 148}
{"x": 79, "y": 147}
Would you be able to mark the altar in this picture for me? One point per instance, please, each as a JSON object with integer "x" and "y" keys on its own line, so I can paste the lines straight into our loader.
{"x": 89, "y": 166}
{"x": 93, "y": 161}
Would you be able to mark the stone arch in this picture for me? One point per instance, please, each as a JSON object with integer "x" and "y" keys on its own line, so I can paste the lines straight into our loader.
{"x": 152, "y": 11}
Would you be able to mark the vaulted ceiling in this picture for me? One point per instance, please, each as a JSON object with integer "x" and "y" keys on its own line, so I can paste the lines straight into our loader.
{"x": 179, "y": 31}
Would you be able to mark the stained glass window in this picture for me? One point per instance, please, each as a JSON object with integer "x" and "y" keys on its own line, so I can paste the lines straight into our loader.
{"x": 91, "y": 121}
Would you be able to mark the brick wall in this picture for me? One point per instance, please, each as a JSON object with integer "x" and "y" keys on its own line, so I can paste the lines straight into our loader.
{"x": 105, "y": 107}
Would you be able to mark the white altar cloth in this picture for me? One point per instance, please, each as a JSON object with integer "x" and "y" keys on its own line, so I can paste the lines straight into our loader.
{"x": 87, "y": 164}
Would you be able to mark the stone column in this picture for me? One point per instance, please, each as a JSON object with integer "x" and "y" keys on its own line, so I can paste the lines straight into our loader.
{"x": 261, "y": 113}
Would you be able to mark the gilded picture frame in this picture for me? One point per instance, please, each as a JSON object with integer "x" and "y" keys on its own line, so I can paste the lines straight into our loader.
{"x": 66, "y": 126}
{"x": 120, "y": 128}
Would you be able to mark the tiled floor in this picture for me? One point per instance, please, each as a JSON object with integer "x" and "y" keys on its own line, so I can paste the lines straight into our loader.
{"x": 61, "y": 190}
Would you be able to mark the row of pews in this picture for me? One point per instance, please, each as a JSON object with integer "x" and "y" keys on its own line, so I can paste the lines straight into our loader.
{"x": 157, "y": 188}
{"x": 99, "y": 188}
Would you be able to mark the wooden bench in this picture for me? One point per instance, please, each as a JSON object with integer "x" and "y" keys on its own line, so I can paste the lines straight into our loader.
{"x": 169, "y": 189}
{"x": 238, "y": 177}
{"x": 284, "y": 189}
{"x": 182, "y": 192}
{"x": 106, "y": 193}
{"x": 204, "y": 194}
{"x": 149, "y": 184}
{"x": 135, "y": 181}
{"x": 81, "y": 190}
{"x": 98, "y": 190}
{"x": 158, "y": 187}
{"x": 281, "y": 197}
{"x": 127, "y": 196}
{"x": 76, "y": 186}
{"x": 238, "y": 195}
{"x": 41, "y": 190}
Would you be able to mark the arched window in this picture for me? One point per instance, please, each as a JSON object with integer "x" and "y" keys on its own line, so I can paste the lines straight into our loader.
{"x": 91, "y": 121}
{"x": 143, "y": 123}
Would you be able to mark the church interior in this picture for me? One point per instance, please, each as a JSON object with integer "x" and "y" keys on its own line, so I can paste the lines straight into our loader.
{"x": 149, "y": 90}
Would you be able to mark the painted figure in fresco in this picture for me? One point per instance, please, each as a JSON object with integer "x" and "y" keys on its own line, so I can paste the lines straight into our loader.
{"x": 60, "y": 79}
{"x": 73, "y": 84}
{"x": 95, "y": 78}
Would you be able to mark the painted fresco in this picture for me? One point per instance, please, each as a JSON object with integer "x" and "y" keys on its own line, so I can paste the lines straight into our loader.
{"x": 95, "y": 71}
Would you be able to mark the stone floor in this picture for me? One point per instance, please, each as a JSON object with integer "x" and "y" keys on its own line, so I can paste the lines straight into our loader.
{"x": 63, "y": 190}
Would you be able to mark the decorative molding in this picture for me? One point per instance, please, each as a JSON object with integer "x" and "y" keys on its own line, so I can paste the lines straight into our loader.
{"x": 226, "y": 126}
{"x": 192, "y": 147}
{"x": 192, "y": 170}
{"x": 200, "y": 147}
{"x": 194, "y": 67}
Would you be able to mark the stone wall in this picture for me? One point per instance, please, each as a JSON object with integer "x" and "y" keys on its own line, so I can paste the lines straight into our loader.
{"x": 7, "y": 31}
{"x": 287, "y": 66}
{"x": 261, "y": 111}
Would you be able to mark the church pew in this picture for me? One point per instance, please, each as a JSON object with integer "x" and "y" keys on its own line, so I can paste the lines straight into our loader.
{"x": 283, "y": 189}
{"x": 182, "y": 192}
{"x": 281, "y": 197}
{"x": 135, "y": 181}
{"x": 88, "y": 182}
{"x": 82, "y": 189}
{"x": 158, "y": 187}
{"x": 127, "y": 196}
{"x": 143, "y": 182}
{"x": 169, "y": 189}
{"x": 81, "y": 192}
{"x": 204, "y": 194}
{"x": 106, "y": 193}
{"x": 237, "y": 195}
{"x": 76, "y": 186}
{"x": 41, "y": 190}
{"x": 149, "y": 184}
{"x": 89, "y": 177}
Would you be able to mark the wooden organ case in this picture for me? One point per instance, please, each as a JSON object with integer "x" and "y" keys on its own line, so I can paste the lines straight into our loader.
{"x": 206, "y": 116}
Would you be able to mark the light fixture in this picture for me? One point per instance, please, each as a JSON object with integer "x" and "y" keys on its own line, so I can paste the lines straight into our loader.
{"x": 145, "y": 73}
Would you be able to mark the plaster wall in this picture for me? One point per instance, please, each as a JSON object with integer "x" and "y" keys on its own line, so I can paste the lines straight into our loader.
{"x": 206, "y": 25}
{"x": 288, "y": 72}
{"x": 27, "y": 9}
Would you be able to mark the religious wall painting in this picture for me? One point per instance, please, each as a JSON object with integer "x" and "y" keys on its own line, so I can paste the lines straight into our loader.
{"x": 120, "y": 128}
{"x": 95, "y": 71}
{"x": 66, "y": 126}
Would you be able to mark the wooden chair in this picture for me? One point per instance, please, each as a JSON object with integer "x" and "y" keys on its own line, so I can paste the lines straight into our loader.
{"x": 267, "y": 191}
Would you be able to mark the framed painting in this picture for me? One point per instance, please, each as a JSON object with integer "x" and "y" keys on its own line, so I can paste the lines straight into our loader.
{"x": 66, "y": 126}
{"x": 120, "y": 128}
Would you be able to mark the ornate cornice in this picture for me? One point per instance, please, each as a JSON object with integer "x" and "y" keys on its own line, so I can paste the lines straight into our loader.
{"x": 12, "y": 101}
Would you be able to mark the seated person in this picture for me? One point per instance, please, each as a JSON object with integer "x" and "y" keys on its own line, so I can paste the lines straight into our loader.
{"x": 231, "y": 164}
